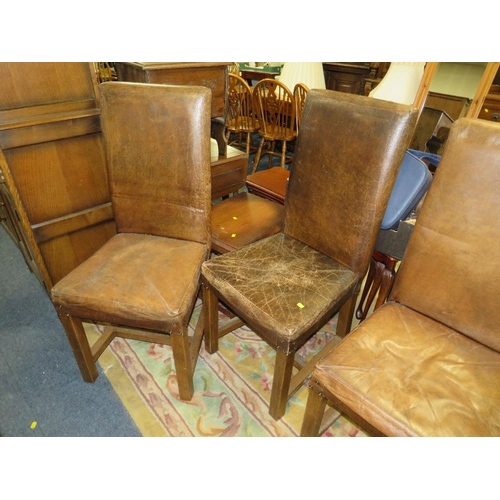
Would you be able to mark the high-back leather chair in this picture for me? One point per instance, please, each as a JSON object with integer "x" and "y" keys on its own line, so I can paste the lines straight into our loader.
{"x": 287, "y": 286}
{"x": 145, "y": 279}
{"x": 427, "y": 363}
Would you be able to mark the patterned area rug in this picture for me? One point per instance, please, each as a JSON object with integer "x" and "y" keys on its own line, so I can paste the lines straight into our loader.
{"x": 232, "y": 387}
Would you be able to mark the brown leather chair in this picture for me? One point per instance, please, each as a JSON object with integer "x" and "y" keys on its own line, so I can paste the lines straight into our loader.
{"x": 145, "y": 279}
{"x": 427, "y": 363}
{"x": 287, "y": 286}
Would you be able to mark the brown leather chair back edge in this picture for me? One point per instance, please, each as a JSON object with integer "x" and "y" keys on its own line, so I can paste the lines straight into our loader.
{"x": 449, "y": 269}
{"x": 353, "y": 185}
{"x": 149, "y": 206}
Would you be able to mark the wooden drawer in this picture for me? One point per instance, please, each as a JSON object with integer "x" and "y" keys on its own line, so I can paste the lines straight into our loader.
{"x": 211, "y": 75}
{"x": 491, "y": 108}
{"x": 229, "y": 173}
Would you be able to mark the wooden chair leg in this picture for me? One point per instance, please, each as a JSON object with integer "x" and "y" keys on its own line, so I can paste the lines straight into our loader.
{"x": 80, "y": 346}
{"x": 249, "y": 143}
{"x": 346, "y": 314}
{"x": 313, "y": 416}
{"x": 386, "y": 282}
{"x": 281, "y": 383}
{"x": 283, "y": 154}
{"x": 361, "y": 310}
{"x": 374, "y": 288}
{"x": 258, "y": 155}
{"x": 271, "y": 153}
{"x": 183, "y": 364}
{"x": 210, "y": 311}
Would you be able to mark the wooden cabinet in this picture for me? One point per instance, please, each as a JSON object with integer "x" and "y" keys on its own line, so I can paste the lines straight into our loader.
{"x": 454, "y": 106}
{"x": 490, "y": 109}
{"x": 52, "y": 159}
{"x": 432, "y": 130}
{"x": 346, "y": 77}
{"x": 209, "y": 74}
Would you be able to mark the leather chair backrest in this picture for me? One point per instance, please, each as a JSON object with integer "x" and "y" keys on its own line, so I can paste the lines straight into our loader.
{"x": 347, "y": 157}
{"x": 157, "y": 141}
{"x": 450, "y": 271}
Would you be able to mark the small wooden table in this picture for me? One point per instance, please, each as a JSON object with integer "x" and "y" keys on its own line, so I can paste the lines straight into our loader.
{"x": 229, "y": 172}
{"x": 270, "y": 183}
{"x": 242, "y": 218}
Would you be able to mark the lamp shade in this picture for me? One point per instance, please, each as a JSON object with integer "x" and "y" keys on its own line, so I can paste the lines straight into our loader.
{"x": 400, "y": 83}
{"x": 308, "y": 73}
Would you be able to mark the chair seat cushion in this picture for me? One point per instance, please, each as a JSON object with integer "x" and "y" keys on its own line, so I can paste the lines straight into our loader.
{"x": 409, "y": 375}
{"x": 280, "y": 286}
{"x": 242, "y": 219}
{"x": 135, "y": 280}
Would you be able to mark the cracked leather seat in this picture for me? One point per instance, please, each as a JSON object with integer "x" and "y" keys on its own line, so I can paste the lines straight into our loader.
{"x": 427, "y": 363}
{"x": 287, "y": 286}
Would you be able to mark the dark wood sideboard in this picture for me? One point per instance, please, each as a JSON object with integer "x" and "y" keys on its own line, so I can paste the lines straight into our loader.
{"x": 354, "y": 77}
{"x": 346, "y": 77}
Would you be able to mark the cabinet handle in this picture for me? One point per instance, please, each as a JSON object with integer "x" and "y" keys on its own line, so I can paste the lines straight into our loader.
{"x": 495, "y": 117}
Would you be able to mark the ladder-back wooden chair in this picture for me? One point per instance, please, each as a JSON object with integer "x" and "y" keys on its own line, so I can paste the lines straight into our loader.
{"x": 241, "y": 120}
{"x": 299, "y": 95}
{"x": 275, "y": 110}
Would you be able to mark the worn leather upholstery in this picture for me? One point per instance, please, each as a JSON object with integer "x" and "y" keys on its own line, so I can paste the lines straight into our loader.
{"x": 147, "y": 276}
{"x": 157, "y": 185}
{"x": 136, "y": 280}
{"x": 427, "y": 363}
{"x": 409, "y": 375}
{"x": 345, "y": 164}
{"x": 265, "y": 281}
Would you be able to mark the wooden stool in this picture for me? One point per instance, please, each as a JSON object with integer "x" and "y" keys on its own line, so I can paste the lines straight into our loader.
{"x": 270, "y": 183}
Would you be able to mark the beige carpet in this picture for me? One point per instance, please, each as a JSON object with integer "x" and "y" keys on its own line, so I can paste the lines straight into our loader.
{"x": 232, "y": 387}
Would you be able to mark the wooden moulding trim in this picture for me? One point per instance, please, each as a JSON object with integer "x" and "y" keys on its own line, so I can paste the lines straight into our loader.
{"x": 52, "y": 128}
{"x": 22, "y": 117}
{"x": 172, "y": 65}
{"x": 33, "y": 248}
{"x": 425, "y": 83}
{"x": 54, "y": 228}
